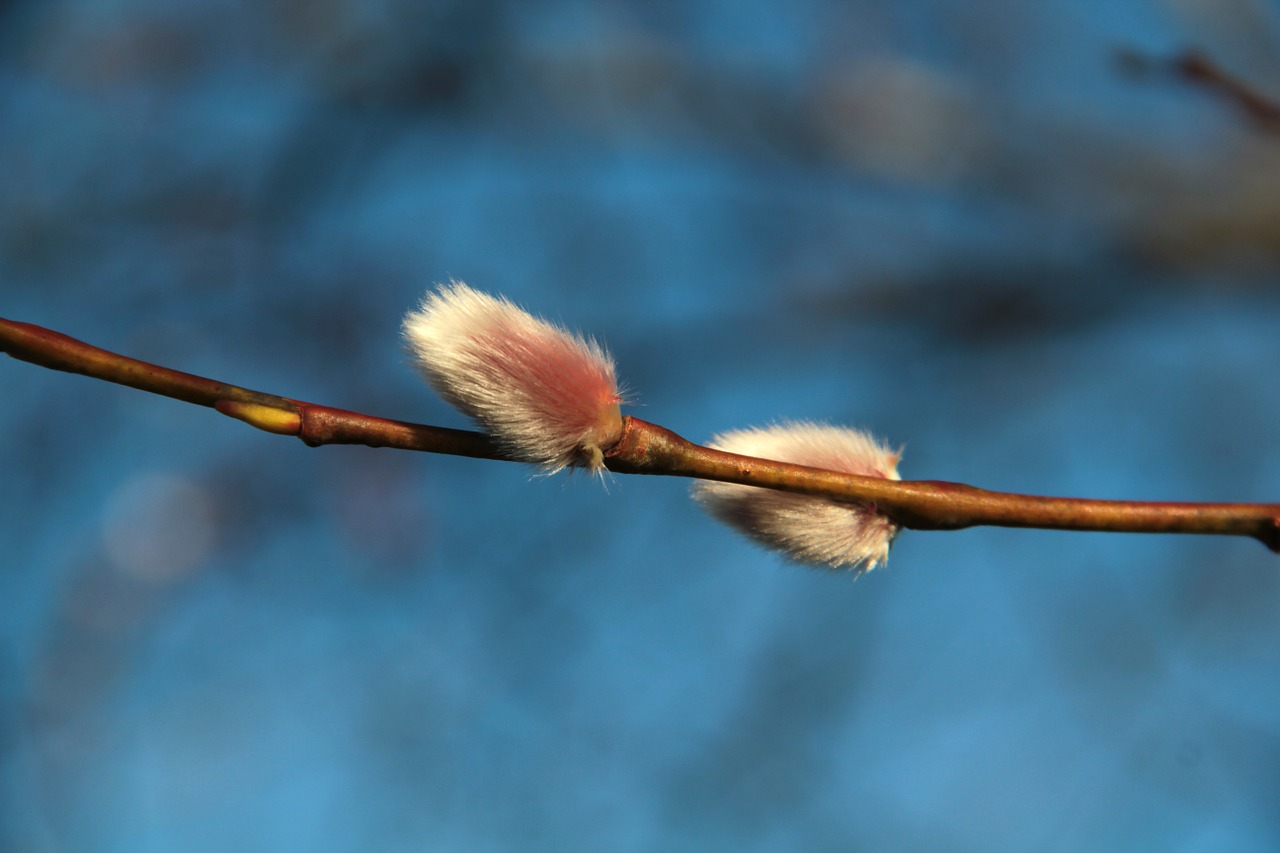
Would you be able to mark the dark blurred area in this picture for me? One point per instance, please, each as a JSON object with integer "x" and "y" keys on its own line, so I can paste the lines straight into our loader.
{"x": 965, "y": 227}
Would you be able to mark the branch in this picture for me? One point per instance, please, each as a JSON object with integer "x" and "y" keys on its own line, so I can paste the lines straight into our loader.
{"x": 314, "y": 424}
{"x": 1195, "y": 67}
{"x": 646, "y": 448}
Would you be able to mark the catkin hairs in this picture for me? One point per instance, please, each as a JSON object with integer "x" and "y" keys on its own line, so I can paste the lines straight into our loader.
{"x": 812, "y": 530}
{"x": 548, "y": 396}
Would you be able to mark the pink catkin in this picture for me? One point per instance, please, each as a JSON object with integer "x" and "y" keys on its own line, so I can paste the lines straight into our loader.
{"x": 811, "y": 530}
{"x": 548, "y": 396}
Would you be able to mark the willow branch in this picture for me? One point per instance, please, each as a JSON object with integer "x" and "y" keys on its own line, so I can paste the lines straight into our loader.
{"x": 646, "y": 448}
{"x": 1197, "y": 68}
{"x": 314, "y": 424}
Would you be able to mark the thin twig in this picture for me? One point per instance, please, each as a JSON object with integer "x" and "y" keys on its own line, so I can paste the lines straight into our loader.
{"x": 934, "y": 504}
{"x": 1196, "y": 67}
{"x": 646, "y": 448}
{"x": 314, "y": 424}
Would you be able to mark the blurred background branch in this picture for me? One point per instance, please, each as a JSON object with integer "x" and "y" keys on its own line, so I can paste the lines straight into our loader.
{"x": 1198, "y": 68}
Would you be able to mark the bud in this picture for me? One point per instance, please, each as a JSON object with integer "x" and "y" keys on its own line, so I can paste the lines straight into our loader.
{"x": 812, "y": 530}
{"x": 547, "y": 396}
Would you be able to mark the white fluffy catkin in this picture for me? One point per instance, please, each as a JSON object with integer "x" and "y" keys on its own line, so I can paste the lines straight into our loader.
{"x": 812, "y": 530}
{"x": 548, "y": 396}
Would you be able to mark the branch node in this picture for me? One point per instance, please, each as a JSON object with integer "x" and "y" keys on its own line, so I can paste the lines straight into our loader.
{"x": 1271, "y": 535}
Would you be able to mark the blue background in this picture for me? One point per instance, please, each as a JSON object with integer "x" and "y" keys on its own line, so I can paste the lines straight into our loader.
{"x": 957, "y": 224}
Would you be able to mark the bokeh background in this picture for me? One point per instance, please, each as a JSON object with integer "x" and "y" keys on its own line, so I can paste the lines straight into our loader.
{"x": 964, "y": 226}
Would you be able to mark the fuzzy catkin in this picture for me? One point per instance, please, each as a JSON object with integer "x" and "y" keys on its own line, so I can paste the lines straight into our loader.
{"x": 548, "y": 396}
{"x": 812, "y": 530}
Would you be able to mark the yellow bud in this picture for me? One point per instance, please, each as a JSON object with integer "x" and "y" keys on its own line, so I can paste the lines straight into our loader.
{"x": 267, "y": 418}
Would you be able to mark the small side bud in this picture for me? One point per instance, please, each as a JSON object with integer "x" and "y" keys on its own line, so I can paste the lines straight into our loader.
{"x": 812, "y": 530}
{"x": 266, "y": 418}
{"x": 548, "y": 396}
